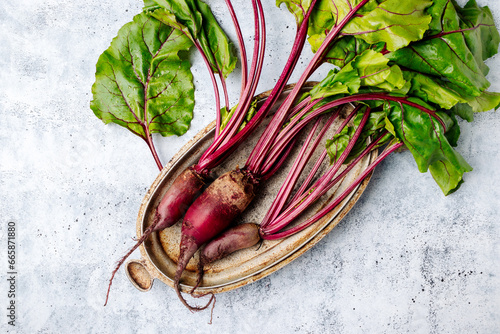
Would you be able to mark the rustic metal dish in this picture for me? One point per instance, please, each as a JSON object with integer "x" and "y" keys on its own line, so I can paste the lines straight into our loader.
{"x": 161, "y": 250}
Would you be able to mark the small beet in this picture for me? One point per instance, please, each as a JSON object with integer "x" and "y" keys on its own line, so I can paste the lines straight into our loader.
{"x": 236, "y": 238}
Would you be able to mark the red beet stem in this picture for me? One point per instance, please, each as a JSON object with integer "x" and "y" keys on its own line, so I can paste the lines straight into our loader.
{"x": 337, "y": 200}
{"x": 218, "y": 149}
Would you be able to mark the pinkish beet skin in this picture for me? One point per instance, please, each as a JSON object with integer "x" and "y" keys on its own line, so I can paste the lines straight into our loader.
{"x": 212, "y": 212}
{"x": 209, "y": 215}
{"x": 239, "y": 237}
{"x": 178, "y": 198}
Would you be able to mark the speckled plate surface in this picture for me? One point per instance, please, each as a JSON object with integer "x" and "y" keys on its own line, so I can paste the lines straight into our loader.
{"x": 161, "y": 250}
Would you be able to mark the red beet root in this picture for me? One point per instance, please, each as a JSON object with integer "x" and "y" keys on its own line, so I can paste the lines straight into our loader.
{"x": 236, "y": 238}
{"x": 209, "y": 215}
{"x": 173, "y": 205}
{"x": 177, "y": 199}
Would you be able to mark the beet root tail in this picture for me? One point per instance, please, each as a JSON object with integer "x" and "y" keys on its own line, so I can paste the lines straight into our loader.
{"x": 187, "y": 250}
{"x": 185, "y": 188}
{"x": 199, "y": 279}
{"x": 139, "y": 241}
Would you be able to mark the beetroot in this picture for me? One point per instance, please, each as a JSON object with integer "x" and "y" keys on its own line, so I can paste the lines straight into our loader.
{"x": 210, "y": 214}
{"x": 236, "y": 238}
{"x": 177, "y": 199}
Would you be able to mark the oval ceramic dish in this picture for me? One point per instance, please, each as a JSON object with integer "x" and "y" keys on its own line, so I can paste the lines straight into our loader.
{"x": 161, "y": 250}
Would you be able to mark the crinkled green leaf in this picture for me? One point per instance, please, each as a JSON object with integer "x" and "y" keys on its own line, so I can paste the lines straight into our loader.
{"x": 345, "y": 81}
{"x": 347, "y": 48}
{"x": 369, "y": 69}
{"x": 394, "y": 22}
{"x": 326, "y": 15}
{"x": 485, "y": 102}
{"x": 391, "y": 22}
{"x": 427, "y": 141}
{"x": 195, "y": 19}
{"x": 298, "y": 8}
{"x": 480, "y": 32}
{"x": 374, "y": 71}
{"x": 432, "y": 89}
{"x": 143, "y": 80}
{"x": 430, "y": 85}
{"x": 444, "y": 69}
{"x": 445, "y": 54}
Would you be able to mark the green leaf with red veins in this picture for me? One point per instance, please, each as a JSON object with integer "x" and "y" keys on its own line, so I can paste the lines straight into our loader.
{"x": 446, "y": 176}
{"x": 347, "y": 48}
{"x": 297, "y": 7}
{"x": 369, "y": 69}
{"x": 486, "y": 101}
{"x": 394, "y": 22}
{"x": 427, "y": 141}
{"x": 374, "y": 71}
{"x": 446, "y": 54}
{"x": 391, "y": 23}
{"x": 195, "y": 19}
{"x": 480, "y": 32}
{"x": 326, "y": 15}
{"x": 143, "y": 80}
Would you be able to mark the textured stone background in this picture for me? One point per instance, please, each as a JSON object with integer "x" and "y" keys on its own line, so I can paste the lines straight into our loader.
{"x": 405, "y": 260}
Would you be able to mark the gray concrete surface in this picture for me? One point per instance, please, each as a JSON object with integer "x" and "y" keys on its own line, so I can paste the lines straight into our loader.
{"x": 405, "y": 260}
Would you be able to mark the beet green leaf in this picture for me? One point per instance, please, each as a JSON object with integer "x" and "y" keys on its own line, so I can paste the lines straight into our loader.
{"x": 369, "y": 69}
{"x": 394, "y": 22}
{"x": 297, "y": 7}
{"x": 195, "y": 19}
{"x": 427, "y": 141}
{"x": 391, "y": 22}
{"x": 445, "y": 52}
{"x": 143, "y": 80}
